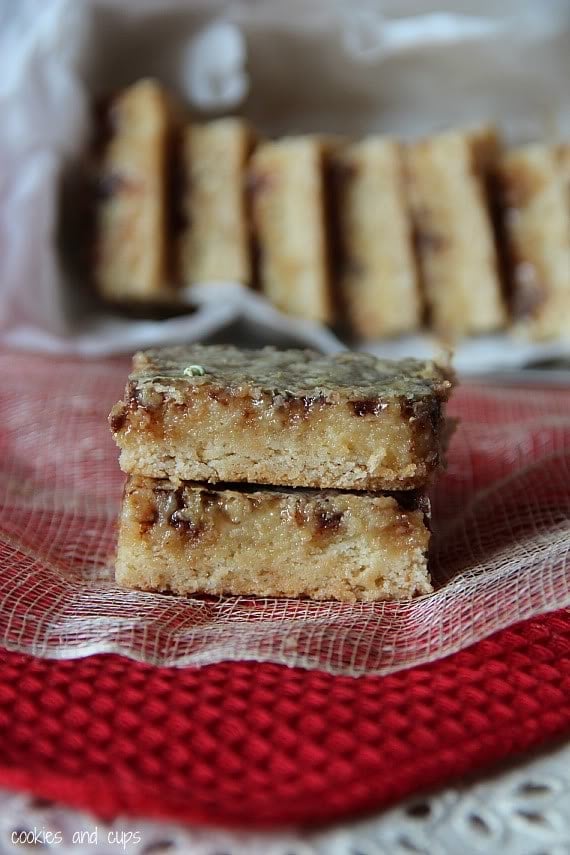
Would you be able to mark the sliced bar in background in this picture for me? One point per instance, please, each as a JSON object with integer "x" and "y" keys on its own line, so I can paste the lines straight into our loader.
{"x": 132, "y": 216}
{"x": 215, "y": 243}
{"x": 377, "y": 275}
{"x": 288, "y": 206}
{"x": 455, "y": 242}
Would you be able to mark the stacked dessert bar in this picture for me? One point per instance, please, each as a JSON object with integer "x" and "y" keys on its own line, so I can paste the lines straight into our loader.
{"x": 278, "y": 473}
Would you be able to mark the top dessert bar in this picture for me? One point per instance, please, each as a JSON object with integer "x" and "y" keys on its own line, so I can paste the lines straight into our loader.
{"x": 292, "y": 418}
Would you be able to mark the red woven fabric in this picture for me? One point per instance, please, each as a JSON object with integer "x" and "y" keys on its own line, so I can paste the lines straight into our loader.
{"x": 261, "y": 744}
{"x": 264, "y": 745}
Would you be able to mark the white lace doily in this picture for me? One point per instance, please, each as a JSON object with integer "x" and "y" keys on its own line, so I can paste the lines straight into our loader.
{"x": 524, "y": 810}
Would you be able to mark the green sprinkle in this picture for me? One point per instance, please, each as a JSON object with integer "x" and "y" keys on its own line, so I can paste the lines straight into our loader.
{"x": 194, "y": 371}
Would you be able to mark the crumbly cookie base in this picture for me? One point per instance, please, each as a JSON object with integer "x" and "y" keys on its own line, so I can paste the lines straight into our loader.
{"x": 191, "y": 539}
{"x": 330, "y": 449}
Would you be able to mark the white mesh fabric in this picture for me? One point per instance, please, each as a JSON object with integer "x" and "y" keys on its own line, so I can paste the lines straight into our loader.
{"x": 500, "y": 545}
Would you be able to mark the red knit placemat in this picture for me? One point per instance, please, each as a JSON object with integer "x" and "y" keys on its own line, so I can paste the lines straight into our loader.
{"x": 264, "y": 745}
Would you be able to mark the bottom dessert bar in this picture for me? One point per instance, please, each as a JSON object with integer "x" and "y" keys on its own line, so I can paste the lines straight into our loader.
{"x": 270, "y": 542}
